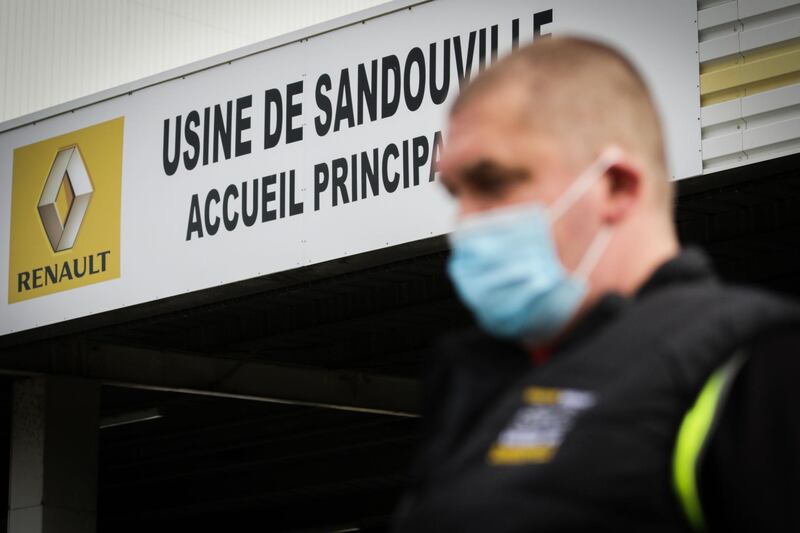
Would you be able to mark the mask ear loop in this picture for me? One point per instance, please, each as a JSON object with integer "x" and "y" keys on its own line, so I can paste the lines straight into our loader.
{"x": 579, "y": 187}
{"x": 594, "y": 253}
{"x": 582, "y": 183}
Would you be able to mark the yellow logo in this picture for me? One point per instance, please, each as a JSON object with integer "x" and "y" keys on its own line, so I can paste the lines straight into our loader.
{"x": 539, "y": 425}
{"x": 65, "y": 211}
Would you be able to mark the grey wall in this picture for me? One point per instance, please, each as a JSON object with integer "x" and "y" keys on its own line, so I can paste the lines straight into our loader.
{"x": 53, "y": 51}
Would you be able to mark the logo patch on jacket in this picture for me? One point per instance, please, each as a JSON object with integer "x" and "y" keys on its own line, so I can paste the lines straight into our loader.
{"x": 539, "y": 426}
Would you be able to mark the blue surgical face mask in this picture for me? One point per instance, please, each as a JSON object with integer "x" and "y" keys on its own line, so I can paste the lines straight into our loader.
{"x": 506, "y": 269}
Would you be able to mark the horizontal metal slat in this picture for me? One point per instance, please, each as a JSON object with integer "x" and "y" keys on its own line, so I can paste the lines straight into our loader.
{"x": 775, "y": 133}
{"x": 784, "y": 30}
{"x": 723, "y": 145}
{"x": 749, "y": 106}
{"x": 770, "y": 101}
{"x": 751, "y": 8}
{"x": 717, "y": 15}
{"x": 720, "y": 47}
{"x": 712, "y": 115}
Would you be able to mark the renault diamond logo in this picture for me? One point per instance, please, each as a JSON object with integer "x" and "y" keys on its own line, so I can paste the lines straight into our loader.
{"x": 65, "y": 197}
{"x": 53, "y": 181}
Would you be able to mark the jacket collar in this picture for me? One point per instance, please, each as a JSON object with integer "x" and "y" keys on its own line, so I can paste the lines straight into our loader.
{"x": 690, "y": 264}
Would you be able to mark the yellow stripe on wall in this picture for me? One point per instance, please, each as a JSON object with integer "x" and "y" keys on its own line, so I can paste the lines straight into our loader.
{"x": 750, "y": 73}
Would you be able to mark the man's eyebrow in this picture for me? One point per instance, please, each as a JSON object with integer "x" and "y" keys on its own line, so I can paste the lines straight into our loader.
{"x": 487, "y": 172}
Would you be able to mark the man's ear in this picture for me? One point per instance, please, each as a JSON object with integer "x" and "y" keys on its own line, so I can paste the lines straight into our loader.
{"x": 623, "y": 191}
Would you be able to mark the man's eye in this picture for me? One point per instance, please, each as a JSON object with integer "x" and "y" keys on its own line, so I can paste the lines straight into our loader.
{"x": 491, "y": 185}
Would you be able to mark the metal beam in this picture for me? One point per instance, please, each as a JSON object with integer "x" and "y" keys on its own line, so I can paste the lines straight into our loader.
{"x": 218, "y": 375}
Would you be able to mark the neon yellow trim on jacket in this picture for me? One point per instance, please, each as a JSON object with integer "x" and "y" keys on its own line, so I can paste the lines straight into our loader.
{"x": 692, "y": 437}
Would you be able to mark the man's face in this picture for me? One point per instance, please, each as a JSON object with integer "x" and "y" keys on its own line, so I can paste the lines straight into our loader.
{"x": 493, "y": 159}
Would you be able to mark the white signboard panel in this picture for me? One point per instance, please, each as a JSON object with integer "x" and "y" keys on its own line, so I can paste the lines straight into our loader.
{"x": 310, "y": 151}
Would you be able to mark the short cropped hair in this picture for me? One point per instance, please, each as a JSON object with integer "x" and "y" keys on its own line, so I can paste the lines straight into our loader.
{"x": 586, "y": 94}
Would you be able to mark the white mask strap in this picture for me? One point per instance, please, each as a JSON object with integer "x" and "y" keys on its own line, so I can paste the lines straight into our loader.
{"x": 581, "y": 185}
{"x": 593, "y": 253}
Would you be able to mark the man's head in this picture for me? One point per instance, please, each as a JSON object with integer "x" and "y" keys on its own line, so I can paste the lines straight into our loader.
{"x": 524, "y": 129}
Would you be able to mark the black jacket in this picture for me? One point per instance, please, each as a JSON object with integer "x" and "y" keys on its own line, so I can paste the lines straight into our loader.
{"x": 584, "y": 442}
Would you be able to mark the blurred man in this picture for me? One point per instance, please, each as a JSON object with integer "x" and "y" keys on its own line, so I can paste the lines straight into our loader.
{"x": 613, "y": 384}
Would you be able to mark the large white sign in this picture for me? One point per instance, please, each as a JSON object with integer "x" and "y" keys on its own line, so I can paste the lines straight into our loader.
{"x": 309, "y": 151}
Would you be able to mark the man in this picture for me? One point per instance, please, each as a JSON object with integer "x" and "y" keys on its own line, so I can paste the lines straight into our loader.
{"x": 613, "y": 384}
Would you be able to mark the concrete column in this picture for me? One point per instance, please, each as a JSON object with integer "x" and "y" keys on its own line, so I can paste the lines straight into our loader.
{"x": 53, "y": 471}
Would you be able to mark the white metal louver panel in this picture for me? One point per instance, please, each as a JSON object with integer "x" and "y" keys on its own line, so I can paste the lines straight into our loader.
{"x": 750, "y": 80}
